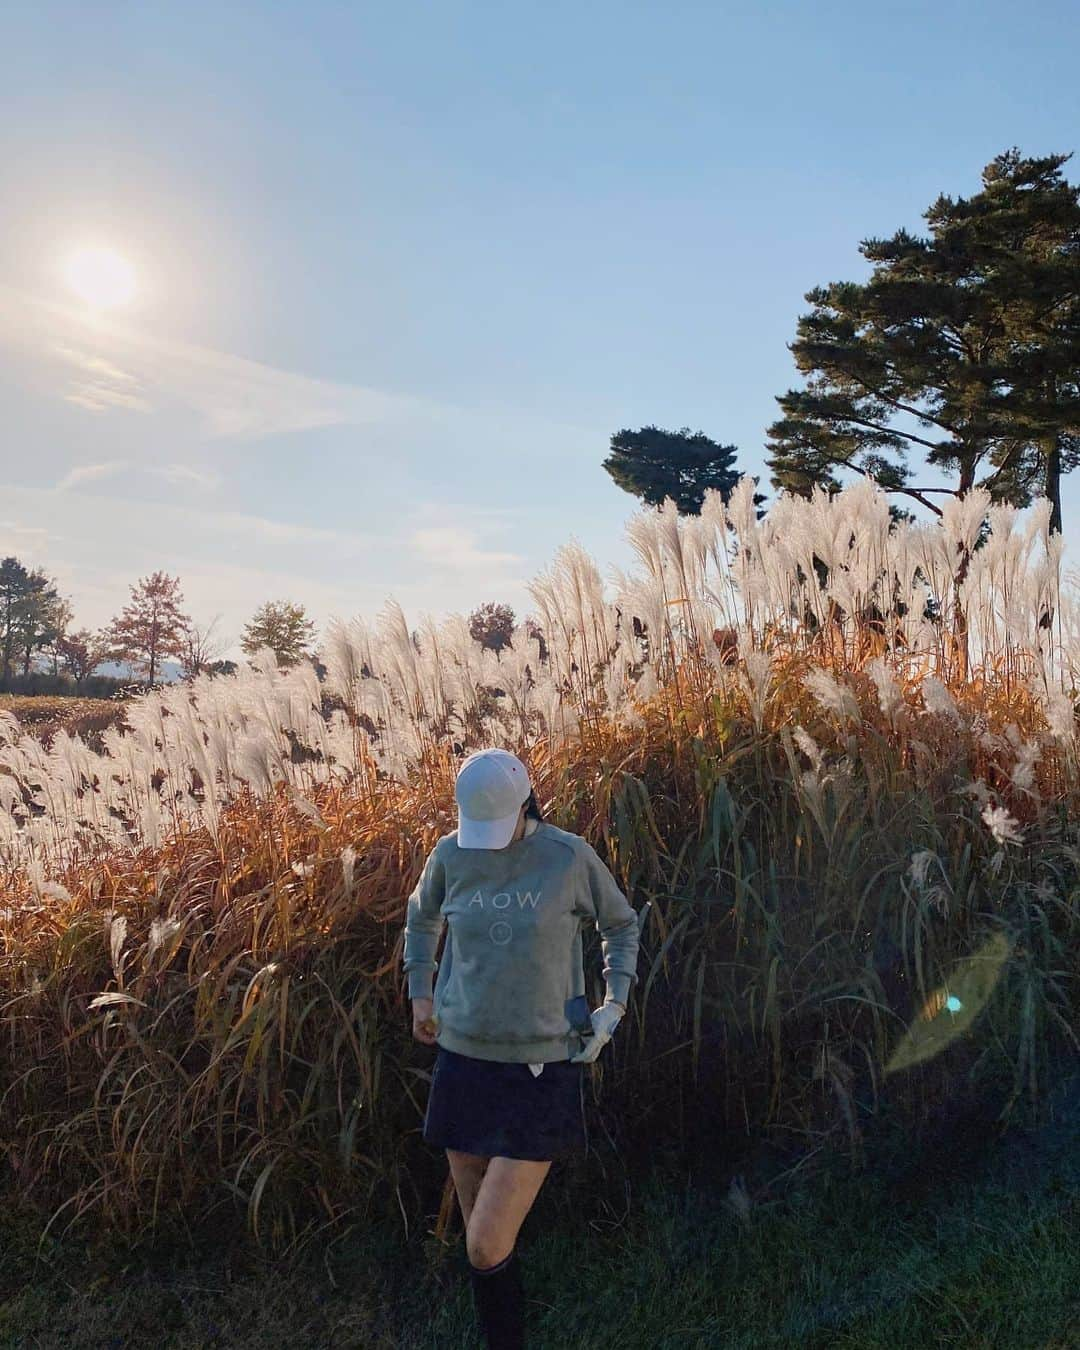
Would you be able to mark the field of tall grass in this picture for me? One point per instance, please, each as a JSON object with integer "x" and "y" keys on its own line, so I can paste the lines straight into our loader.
{"x": 45, "y": 714}
{"x": 839, "y": 756}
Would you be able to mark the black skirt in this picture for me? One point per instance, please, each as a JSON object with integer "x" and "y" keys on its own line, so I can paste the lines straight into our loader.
{"x": 496, "y": 1109}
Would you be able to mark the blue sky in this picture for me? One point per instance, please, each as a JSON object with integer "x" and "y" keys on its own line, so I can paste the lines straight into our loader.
{"x": 403, "y": 269}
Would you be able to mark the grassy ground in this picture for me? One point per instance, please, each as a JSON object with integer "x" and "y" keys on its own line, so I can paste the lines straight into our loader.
{"x": 934, "y": 1251}
{"x": 43, "y": 714}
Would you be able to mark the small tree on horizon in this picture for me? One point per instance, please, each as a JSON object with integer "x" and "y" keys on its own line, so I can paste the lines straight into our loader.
{"x": 29, "y": 614}
{"x": 283, "y": 627}
{"x": 151, "y": 627}
{"x": 82, "y": 652}
{"x": 492, "y": 625}
{"x": 42, "y": 618}
{"x": 64, "y": 615}
{"x": 653, "y": 464}
{"x": 203, "y": 646}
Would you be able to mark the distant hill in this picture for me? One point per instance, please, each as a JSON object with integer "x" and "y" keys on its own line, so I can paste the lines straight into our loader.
{"x": 168, "y": 672}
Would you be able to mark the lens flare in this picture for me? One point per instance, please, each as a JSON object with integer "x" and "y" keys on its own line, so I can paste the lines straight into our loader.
{"x": 951, "y": 1009}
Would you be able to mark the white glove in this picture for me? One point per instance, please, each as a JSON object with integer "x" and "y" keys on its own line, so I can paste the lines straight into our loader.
{"x": 604, "y": 1021}
{"x": 608, "y": 1016}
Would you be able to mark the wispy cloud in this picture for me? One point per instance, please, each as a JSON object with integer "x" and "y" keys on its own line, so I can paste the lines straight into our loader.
{"x": 90, "y": 473}
{"x": 103, "y": 365}
{"x": 99, "y": 385}
{"x": 184, "y": 473}
{"x": 457, "y": 548}
{"x": 26, "y": 541}
{"x": 177, "y": 474}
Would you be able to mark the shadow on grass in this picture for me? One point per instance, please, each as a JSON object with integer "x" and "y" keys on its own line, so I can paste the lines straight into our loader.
{"x": 978, "y": 1249}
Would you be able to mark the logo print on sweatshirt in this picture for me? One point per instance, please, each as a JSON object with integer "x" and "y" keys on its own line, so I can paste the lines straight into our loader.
{"x": 501, "y": 932}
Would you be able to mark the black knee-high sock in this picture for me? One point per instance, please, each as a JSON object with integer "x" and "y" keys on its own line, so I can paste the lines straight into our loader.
{"x": 500, "y": 1303}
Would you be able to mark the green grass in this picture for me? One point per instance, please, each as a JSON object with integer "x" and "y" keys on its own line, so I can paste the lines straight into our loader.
{"x": 941, "y": 1250}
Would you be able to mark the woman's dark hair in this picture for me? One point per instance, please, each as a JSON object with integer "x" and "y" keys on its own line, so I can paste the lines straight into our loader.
{"x": 532, "y": 807}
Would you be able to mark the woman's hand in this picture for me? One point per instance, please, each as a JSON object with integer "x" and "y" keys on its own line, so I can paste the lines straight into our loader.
{"x": 604, "y": 1021}
{"x": 424, "y": 1023}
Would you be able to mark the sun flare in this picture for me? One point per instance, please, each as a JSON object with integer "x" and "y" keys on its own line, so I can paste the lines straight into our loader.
{"x": 100, "y": 277}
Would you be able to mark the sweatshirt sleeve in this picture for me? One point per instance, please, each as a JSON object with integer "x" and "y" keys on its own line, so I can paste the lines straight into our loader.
{"x": 602, "y": 901}
{"x": 423, "y": 924}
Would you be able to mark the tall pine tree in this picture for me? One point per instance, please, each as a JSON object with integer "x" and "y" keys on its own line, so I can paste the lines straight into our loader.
{"x": 961, "y": 348}
{"x": 1032, "y": 232}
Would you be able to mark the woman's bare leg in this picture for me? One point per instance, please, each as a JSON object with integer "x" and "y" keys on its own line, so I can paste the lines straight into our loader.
{"x": 467, "y": 1170}
{"x": 506, "y": 1194}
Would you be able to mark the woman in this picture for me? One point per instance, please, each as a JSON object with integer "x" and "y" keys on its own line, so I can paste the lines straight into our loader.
{"x": 508, "y": 1011}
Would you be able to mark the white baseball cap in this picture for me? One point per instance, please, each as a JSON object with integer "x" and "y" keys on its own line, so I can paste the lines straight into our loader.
{"x": 491, "y": 788}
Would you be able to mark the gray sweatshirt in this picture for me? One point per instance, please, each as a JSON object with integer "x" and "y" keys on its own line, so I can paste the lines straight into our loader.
{"x": 511, "y": 984}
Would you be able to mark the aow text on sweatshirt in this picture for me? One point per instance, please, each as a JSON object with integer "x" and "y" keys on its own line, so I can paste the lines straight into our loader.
{"x": 511, "y": 982}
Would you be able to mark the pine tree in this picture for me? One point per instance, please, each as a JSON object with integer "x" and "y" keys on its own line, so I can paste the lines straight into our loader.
{"x": 38, "y": 617}
{"x": 653, "y": 464}
{"x": 1034, "y": 230}
{"x": 29, "y": 614}
{"x": 961, "y": 348}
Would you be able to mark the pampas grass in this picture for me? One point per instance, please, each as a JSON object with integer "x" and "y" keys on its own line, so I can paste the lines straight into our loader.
{"x": 200, "y": 923}
{"x": 914, "y": 605}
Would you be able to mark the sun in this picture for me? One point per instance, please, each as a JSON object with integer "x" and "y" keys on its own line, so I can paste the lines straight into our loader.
{"x": 100, "y": 277}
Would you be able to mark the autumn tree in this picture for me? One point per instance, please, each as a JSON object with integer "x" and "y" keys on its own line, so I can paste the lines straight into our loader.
{"x": 492, "y": 625}
{"x": 281, "y": 626}
{"x": 152, "y": 626}
{"x": 82, "y": 652}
